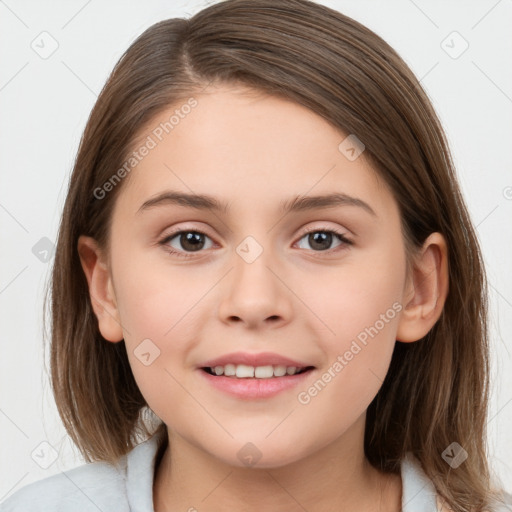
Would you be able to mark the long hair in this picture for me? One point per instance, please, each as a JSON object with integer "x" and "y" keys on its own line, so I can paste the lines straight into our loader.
{"x": 436, "y": 389}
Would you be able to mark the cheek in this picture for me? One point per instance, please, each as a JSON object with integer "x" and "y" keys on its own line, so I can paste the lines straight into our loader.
{"x": 156, "y": 299}
{"x": 160, "y": 307}
{"x": 361, "y": 307}
{"x": 354, "y": 296}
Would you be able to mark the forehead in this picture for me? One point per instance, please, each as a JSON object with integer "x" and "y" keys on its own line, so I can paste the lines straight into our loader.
{"x": 246, "y": 147}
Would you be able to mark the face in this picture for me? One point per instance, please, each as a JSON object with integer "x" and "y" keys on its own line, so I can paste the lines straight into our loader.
{"x": 319, "y": 287}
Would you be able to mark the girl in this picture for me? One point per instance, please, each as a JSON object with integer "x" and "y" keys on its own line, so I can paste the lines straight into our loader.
{"x": 267, "y": 292}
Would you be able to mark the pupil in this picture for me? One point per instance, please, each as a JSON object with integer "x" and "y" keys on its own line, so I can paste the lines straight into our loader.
{"x": 324, "y": 237}
{"x": 193, "y": 239}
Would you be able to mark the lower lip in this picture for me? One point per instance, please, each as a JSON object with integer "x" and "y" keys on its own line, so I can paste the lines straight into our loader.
{"x": 253, "y": 388}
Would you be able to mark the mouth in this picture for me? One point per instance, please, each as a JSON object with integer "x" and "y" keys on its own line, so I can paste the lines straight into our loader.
{"x": 245, "y": 382}
{"x": 242, "y": 371}
{"x": 255, "y": 376}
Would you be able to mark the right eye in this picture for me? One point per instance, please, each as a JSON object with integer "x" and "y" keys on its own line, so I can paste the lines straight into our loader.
{"x": 188, "y": 239}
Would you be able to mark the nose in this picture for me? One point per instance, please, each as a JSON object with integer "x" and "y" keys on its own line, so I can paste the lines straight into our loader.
{"x": 255, "y": 294}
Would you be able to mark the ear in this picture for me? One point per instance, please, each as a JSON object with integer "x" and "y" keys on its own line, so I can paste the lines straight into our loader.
{"x": 101, "y": 289}
{"x": 426, "y": 290}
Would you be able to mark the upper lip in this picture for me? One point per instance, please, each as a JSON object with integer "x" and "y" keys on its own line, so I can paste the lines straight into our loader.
{"x": 260, "y": 359}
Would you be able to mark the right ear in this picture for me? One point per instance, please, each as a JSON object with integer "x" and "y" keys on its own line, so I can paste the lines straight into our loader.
{"x": 101, "y": 289}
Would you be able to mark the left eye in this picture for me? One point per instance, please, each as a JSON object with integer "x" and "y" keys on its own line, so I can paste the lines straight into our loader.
{"x": 325, "y": 238}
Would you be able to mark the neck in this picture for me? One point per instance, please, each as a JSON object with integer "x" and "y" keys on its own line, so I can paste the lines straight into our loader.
{"x": 337, "y": 477}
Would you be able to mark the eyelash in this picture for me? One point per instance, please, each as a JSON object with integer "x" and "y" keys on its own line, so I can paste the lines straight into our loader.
{"x": 341, "y": 237}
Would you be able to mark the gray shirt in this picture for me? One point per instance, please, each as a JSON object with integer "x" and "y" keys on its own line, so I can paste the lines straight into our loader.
{"x": 128, "y": 487}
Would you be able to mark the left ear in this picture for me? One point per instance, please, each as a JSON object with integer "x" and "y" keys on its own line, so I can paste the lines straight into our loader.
{"x": 426, "y": 290}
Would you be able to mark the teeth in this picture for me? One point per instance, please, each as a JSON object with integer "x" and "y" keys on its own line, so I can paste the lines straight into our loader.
{"x": 229, "y": 370}
{"x": 264, "y": 372}
{"x": 243, "y": 371}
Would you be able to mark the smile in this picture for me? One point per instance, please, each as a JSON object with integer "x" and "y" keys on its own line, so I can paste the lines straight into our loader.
{"x": 243, "y": 371}
{"x": 250, "y": 386}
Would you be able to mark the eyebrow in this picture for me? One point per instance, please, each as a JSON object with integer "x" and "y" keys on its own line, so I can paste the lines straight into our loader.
{"x": 294, "y": 204}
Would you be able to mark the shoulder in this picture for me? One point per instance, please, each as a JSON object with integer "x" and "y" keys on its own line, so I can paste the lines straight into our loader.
{"x": 419, "y": 492}
{"x": 90, "y": 487}
{"x": 95, "y": 486}
{"x": 504, "y": 506}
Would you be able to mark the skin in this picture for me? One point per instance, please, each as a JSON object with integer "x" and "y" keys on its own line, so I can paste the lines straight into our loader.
{"x": 253, "y": 151}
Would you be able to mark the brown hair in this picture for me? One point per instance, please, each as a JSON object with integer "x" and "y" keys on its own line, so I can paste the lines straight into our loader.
{"x": 436, "y": 390}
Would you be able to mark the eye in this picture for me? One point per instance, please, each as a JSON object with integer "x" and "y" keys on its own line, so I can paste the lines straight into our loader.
{"x": 321, "y": 239}
{"x": 190, "y": 240}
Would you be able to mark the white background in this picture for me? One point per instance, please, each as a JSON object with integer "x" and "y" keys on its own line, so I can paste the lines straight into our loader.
{"x": 44, "y": 107}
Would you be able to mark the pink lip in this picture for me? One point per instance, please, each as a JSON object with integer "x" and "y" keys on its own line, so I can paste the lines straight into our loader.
{"x": 260, "y": 359}
{"x": 253, "y": 388}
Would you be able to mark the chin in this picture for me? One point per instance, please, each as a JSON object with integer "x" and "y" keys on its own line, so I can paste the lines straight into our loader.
{"x": 262, "y": 455}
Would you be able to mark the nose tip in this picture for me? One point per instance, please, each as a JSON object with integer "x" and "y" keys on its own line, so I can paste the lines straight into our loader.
{"x": 254, "y": 294}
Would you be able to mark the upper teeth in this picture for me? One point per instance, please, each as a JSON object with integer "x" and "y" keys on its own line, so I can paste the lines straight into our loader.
{"x": 260, "y": 372}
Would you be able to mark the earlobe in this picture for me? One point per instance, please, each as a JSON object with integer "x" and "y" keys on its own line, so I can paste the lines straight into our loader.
{"x": 101, "y": 290}
{"x": 426, "y": 290}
